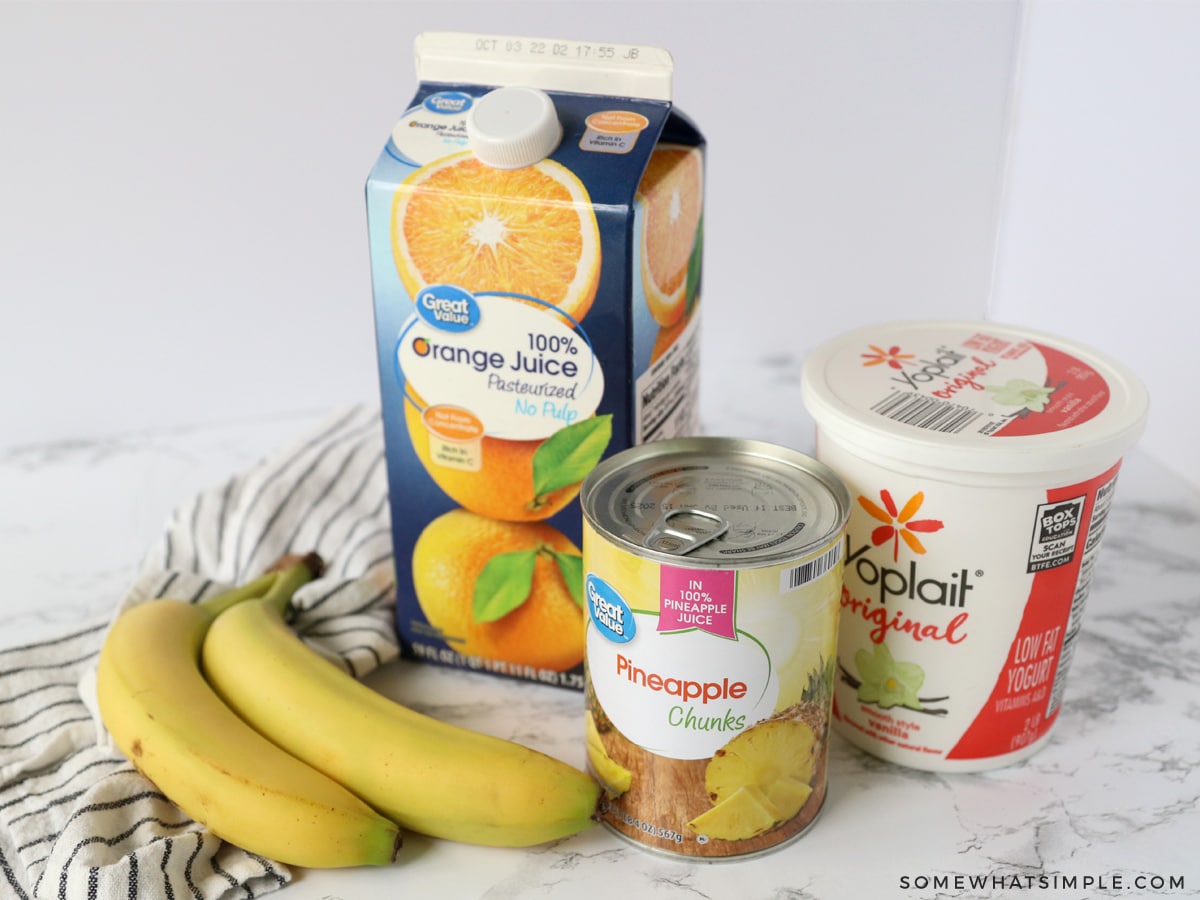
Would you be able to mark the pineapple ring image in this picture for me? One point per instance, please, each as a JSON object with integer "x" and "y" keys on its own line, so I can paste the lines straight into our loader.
{"x": 671, "y": 192}
{"x": 528, "y": 231}
{"x": 498, "y": 590}
{"x": 761, "y": 778}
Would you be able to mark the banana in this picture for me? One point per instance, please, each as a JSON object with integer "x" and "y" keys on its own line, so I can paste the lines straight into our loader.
{"x": 161, "y": 712}
{"x": 429, "y": 776}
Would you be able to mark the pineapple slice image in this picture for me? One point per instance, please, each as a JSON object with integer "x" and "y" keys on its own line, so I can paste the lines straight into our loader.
{"x": 743, "y": 814}
{"x": 763, "y": 773}
{"x": 788, "y": 796}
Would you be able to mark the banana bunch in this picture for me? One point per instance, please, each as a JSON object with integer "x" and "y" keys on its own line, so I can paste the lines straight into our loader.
{"x": 162, "y": 713}
{"x": 428, "y": 776}
{"x": 277, "y": 750}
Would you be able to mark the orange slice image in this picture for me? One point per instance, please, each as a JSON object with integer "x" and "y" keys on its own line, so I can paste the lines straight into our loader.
{"x": 672, "y": 194}
{"x": 528, "y": 231}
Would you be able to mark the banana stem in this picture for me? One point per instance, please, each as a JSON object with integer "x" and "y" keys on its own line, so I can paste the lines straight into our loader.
{"x": 248, "y": 591}
{"x": 276, "y": 586}
{"x": 299, "y": 572}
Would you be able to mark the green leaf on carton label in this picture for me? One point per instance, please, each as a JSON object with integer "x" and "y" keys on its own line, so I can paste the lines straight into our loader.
{"x": 506, "y": 581}
{"x": 570, "y": 453}
{"x": 693, "y": 269}
{"x": 503, "y": 584}
{"x": 570, "y": 566}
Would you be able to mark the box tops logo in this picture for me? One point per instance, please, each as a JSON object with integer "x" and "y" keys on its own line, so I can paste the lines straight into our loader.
{"x": 1060, "y": 521}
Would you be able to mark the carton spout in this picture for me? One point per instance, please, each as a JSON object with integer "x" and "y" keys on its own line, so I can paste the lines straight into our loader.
{"x": 513, "y": 127}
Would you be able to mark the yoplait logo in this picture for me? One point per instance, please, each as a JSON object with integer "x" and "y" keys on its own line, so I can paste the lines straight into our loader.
{"x": 892, "y": 357}
{"x": 940, "y": 368}
{"x": 898, "y": 523}
{"x": 899, "y": 526}
{"x": 894, "y": 584}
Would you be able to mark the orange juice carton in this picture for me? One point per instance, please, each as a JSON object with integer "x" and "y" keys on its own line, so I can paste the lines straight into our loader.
{"x": 535, "y": 224}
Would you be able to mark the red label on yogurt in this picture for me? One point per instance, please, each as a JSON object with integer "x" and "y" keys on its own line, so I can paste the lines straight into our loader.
{"x": 1074, "y": 392}
{"x": 1028, "y": 692}
{"x": 954, "y": 644}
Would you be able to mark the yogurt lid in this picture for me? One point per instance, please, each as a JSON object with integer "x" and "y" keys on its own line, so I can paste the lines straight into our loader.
{"x": 973, "y": 396}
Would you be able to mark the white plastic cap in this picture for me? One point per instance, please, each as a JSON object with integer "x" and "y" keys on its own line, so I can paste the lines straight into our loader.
{"x": 513, "y": 127}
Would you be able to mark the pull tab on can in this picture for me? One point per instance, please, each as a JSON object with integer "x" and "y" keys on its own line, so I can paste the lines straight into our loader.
{"x": 694, "y": 528}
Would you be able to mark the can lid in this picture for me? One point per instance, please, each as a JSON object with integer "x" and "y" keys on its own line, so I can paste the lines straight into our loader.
{"x": 713, "y": 502}
{"x": 974, "y": 397}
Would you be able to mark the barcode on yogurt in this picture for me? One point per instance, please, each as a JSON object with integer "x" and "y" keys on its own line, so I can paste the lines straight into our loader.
{"x": 926, "y": 412}
{"x": 800, "y": 575}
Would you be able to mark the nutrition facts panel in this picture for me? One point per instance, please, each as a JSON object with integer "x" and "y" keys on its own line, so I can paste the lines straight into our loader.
{"x": 666, "y": 399}
{"x": 1087, "y": 564}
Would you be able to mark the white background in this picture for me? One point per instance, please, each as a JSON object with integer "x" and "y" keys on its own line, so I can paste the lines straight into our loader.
{"x": 182, "y": 227}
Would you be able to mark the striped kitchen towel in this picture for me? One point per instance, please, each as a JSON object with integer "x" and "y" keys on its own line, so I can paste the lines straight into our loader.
{"x": 77, "y": 821}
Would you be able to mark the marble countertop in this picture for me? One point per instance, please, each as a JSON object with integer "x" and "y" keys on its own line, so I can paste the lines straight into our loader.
{"x": 1109, "y": 808}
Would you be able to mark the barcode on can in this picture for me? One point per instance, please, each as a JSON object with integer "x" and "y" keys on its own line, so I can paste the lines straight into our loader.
{"x": 926, "y": 412}
{"x": 798, "y": 576}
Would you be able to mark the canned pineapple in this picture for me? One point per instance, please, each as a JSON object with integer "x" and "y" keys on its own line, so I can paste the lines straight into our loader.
{"x": 713, "y": 584}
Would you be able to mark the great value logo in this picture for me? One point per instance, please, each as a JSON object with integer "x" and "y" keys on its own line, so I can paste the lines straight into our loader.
{"x": 609, "y": 612}
{"x": 448, "y": 307}
{"x": 448, "y": 103}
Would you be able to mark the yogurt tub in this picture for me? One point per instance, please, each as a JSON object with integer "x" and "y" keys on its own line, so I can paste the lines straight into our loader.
{"x": 981, "y": 461}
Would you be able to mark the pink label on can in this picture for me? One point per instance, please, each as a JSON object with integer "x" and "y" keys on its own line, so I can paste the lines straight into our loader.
{"x": 697, "y": 598}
